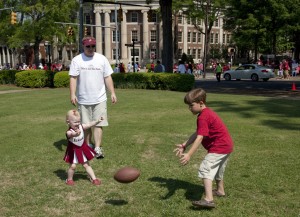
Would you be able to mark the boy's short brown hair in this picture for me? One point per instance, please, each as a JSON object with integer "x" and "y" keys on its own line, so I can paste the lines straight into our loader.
{"x": 195, "y": 95}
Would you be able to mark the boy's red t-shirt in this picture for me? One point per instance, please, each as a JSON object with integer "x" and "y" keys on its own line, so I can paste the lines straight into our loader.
{"x": 216, "y": 138}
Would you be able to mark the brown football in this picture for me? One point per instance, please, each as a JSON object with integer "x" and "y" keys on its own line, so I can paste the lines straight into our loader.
{"x": 127, "y": 174}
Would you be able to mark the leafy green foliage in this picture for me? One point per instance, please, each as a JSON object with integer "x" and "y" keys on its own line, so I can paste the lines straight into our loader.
{"x": 62, "y": 79}
{"x": 32, "y": 78}
{"x": 155, "y": 81}
{"x": 8, "y": 76}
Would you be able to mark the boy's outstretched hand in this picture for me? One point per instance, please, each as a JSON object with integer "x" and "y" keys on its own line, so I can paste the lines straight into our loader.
{"x": 179, "y": 150}
{"x": 185, "y": 158}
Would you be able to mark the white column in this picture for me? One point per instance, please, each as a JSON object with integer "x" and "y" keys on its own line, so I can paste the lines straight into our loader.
{"x": 185, "y": 34}
{"x": 221, "y": 31}
{"x": 159, "y": 51}
{"x": 123, "y": 39}
{"x": 107, "y": 35}
{"x": 146, "y": 52}
{"x": 98, "y": 32}
{"x": 4, "y": 56}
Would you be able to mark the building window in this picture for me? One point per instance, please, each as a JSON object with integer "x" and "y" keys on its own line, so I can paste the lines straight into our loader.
{"x": 114, "y": 36}
{"x": 189, "y": 37}
{"x": 199, "y": 37}
{"x": 87, "y": 18}
{"x": 216, "y": 23}
{"x": 189, "y": 51}
{"x": 179, "y": 36}
{"x": 188, "y": 20}
{"x": 154, "y": 17}
{"x": 112, "y": 17}
{"x": 114, "y": 54}
{"x": 194, "y": 37}
{"x": 134, "y": 17}
{"x": 180, "y": 19}
{"x": 228, "y": 38}
{"x": 134, "y": 35}
{"x": 211, "y": 38}
{"x": 179, "y": 52}
{"x": 199, "y": 53}
{"x": 153, "y": 36}
{"x": 194, "y": 54}
{"x": 224, "y": 39}
{"x": 216, "y": 38}
{"x": 153, "y": 54}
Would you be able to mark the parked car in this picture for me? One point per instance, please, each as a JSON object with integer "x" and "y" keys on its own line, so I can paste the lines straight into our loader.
{"x": 249, "y": 71}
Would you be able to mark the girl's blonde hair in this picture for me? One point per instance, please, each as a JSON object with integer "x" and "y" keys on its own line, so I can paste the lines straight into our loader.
{"x": 195, "y": 95}
{"x": 72, "y": 113}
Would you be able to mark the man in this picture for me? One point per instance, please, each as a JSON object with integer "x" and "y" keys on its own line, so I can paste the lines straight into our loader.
{"x": 158, "y": 67}
{"x": 90, "y": 75}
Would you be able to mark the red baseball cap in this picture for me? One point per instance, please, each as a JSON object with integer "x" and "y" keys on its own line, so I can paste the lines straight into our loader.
{"x": 89, "y": 41}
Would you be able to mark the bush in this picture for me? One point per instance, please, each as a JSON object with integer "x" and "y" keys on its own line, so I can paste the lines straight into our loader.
{"x": 61, "y": 79}
{"x": 33, "y": 78}
{"x": 8, "y": 76}
{"x": 158, "y": 81}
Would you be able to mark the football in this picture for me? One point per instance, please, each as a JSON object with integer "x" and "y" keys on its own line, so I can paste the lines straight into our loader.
{"x": 127, "y": 175}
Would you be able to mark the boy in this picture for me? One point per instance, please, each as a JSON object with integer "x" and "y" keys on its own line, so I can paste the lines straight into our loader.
{"x": 213, "y": 135}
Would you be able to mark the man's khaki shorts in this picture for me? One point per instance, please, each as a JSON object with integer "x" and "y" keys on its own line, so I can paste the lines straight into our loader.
{"x": 91, "y": 113}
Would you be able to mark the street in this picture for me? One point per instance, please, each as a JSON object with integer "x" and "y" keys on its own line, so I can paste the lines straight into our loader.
{"x": 274, "y": 87}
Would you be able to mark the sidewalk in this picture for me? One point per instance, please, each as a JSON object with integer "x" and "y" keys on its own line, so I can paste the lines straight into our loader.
{"x": 211, "y": 76}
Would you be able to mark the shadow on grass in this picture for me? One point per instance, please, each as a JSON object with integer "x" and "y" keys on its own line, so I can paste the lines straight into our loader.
{"x": 59, "y": 144}
{"x": 116, "y": 202}
{"x": 62, "y": 174}
{"x": 192, "y": 191}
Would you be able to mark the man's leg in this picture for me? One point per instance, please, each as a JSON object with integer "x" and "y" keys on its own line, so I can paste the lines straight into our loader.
{"x": 98, "y": 131}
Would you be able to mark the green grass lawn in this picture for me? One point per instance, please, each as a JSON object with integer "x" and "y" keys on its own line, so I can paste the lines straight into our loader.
{"x": 262, "y": 177}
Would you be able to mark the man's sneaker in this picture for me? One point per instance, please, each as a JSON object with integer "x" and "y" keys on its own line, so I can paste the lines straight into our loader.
{"x": 99, "y": 152}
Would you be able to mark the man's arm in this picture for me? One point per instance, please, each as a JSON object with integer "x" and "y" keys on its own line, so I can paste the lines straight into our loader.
{"x": 110, "y": 86}
{"x": 73, "y": 85}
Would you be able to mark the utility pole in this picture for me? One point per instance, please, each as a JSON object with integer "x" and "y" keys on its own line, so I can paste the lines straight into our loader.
{"x": 80, "y": 25}
{"x": 117, "y": 32}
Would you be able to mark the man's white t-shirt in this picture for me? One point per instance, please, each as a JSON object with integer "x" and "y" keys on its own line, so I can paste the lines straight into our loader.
{"x": 91, "y": 72}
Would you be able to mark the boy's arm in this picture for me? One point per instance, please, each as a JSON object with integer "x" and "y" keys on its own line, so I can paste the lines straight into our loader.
{"x": 91, "y": 124}
{"x": 187, "y": 156}
{"x": 180, "y": 148}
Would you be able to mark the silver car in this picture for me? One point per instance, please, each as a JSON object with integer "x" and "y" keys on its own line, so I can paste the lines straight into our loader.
{"x": 249, "y": 71}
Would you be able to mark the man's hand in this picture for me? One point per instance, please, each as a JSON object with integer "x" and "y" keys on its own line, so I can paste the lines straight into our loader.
{"x": 113, "y": 98}
{"x": 74, "y": 100}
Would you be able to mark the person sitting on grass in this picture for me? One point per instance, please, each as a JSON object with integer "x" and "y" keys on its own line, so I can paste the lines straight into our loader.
{"x": 78, "y": 151}
{"x": 213, "y": 135}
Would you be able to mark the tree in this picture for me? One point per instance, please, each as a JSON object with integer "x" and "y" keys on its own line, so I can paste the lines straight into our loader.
{"x": 166, "y": 15}
{"x": 259, "y": 25}
{"x": 207, "y": 11}
{"x": 37, "y": 22}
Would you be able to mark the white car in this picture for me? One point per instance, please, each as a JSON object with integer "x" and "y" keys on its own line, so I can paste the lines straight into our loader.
{"x": 249, "y": 71}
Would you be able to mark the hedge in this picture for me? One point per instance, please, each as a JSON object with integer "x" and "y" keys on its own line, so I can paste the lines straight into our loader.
{"x": 8, "y": 76}
{"x": 158, "y": 81}
{"x": 140, "y": 80}
{"x": 35, "y": 78}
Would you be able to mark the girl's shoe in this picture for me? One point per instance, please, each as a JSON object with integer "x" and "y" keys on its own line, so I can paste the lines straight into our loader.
{"x": 70, "y": 182}
{"x": 96, "y": 182}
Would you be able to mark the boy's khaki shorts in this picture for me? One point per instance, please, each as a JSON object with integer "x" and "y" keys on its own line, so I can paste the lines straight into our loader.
{"x": 91, "y": 113}
{"x": 213, "y": 166}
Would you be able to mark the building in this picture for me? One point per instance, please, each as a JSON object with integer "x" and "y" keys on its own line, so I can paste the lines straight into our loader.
{"x": 117, "y": 28}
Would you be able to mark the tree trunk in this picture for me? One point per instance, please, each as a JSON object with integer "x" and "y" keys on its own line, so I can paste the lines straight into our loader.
{"x": 167, "y": 52}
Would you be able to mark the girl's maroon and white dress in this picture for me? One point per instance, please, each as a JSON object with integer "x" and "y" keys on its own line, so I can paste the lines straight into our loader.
{"x": 78, "y": 151}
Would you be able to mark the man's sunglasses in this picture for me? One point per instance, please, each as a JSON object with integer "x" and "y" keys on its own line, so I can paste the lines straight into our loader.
{"x": 90, "y": 46}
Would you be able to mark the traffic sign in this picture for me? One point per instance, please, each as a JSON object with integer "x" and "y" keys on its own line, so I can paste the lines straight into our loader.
{"x": 129, "y": 45}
